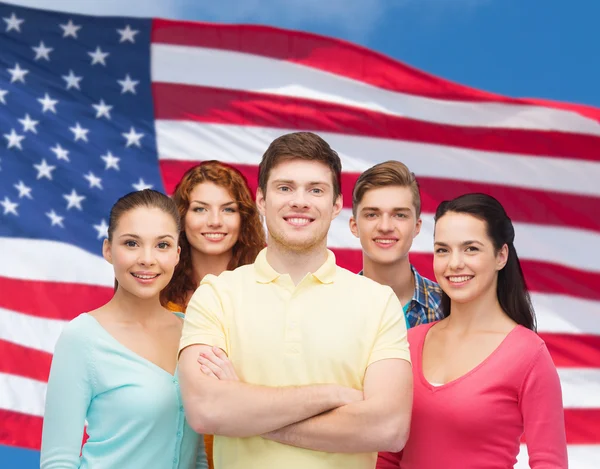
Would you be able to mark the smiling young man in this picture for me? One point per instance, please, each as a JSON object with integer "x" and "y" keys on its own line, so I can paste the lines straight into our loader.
{"x": 321, "y": 353}
{"x": 386, "y": 217}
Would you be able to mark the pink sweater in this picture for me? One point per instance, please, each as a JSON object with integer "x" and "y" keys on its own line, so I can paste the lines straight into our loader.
{"x": 477, "y": 420}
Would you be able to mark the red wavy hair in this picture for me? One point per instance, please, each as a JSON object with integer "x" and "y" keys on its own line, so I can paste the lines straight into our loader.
{"x": 252, "y": 235}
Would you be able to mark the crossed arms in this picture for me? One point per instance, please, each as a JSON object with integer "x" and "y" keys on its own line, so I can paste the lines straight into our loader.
{"x": 322, "y": 417}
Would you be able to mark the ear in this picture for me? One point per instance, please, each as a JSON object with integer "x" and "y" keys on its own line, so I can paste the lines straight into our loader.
{"x": 338, "y": 204}
{"x": 502, "y": 257}
{"x": 353, "y": 226}
{"x": 260, "y": 201}
{"x": 106, "y": 251}
{"x": 418, "y": 227}
{"x": 178, "y": 254}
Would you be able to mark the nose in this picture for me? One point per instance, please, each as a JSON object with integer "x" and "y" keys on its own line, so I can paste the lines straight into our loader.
{"x": 385, "y": 224}
{"x": 146, "y": 256}
{"x": 214, "y": 218}
{"x": 299, "y": 200}
{"x": 456, "y": 260}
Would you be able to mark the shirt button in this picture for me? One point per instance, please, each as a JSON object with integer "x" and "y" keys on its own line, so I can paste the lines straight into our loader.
{"x": 174, "y": 460}
{"x": 180, "y": 408}
{"x": 179, "y": 433}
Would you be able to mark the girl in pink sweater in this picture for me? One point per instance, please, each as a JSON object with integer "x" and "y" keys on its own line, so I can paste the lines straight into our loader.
{"x": 482, "y": 376}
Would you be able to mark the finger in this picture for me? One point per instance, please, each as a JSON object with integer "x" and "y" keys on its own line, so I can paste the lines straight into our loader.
{"x": 217, "y": 371}
{"x": 220, "y": 353}
{"x": 207, "y": 371}
{"x": 213, "y": 358}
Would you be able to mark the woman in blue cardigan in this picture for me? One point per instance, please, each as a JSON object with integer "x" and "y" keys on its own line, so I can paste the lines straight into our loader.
{"x": 116, "y": 367}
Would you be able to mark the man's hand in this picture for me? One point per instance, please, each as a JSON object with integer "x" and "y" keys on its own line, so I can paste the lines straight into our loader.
{"x": 216, "y": 364}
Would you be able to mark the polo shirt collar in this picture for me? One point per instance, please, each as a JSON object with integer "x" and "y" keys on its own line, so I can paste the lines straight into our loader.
{"x": 267, "y": 274}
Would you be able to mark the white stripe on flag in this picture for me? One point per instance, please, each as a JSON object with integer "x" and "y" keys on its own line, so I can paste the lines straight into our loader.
{"x": 185, "y": 140}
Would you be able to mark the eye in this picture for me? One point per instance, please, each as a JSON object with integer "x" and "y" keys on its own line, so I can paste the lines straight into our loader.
{"x": 370, "y": 215}
{"x": 130, "y": 243}
{"x": 316, "y": 190}
{"x": 230, "y": 210}
{"x": 199, "y": 209}
{"x": 284, "y": 189}
{"x": 441, "y": 250}
{"x": 401, "y": 215}
{"x": 164, "y": 245}
{"x": 472, "y": 249}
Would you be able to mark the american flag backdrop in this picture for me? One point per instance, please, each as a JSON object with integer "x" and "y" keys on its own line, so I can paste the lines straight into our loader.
{"x": 92, "y": 108}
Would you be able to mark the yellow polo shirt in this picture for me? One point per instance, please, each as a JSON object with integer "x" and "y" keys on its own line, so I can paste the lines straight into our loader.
{"x": 327, "y": 329}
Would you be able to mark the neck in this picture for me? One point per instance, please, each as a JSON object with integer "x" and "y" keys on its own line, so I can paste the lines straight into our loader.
{"x": 296, "y": 263}
{"x": 483, "y": 313}
{"x": 204, "y": 264}
{"x": 132, "y": 309}
{"x": 398, "y": 276}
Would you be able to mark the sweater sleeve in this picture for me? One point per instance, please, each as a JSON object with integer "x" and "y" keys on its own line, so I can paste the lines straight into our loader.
{"x": 68, "y": 396}
{"x": 388, "y": 460}
{"x": 543, "y": 415}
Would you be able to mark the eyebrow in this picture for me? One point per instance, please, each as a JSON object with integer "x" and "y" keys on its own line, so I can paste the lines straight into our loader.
{"x": 377, "y": 209}
{"x": 233, "y": 202}
{"x": 464, "y": 243}
{"x": 134, "y": 236}
{"x": 311, "y": 183}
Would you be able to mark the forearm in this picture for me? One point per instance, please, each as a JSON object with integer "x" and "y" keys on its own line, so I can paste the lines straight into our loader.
{"x": 364, "y": 426}
{"x": 238, "y": 409}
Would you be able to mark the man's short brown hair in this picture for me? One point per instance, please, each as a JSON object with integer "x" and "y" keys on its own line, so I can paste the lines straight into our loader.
{"x": 302, "y": 146}
{"x": 389, "y": 173}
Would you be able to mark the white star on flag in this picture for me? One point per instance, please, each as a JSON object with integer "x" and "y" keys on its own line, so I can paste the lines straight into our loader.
{"x": 13, "y": 23}
{"x": 79, "y": 132}
{"x": 44, "y": 170}
{"x": 70, "y": 29}
{"x": 55, "y": 219}
{"x": 128, "y": 84}
{"x": 9, "y": 207}
{"x": 14, "y": 139}
{"x": 102, "y": 229}
{"x": 111, "y": 161}
{"x": 102, "y": 109}
{"x": 127, "y": 34}
{"x": 72, "y": 80}
{"x": 141, "y": 185}
{"x": 133, "y": 138}
{"x": 74, "y": 200}
{"x": 48, "y": 104}
{"x": 29, "y": 124}
{"x": 93, "y": 180}
{"x": 42, "y": 52}
{"x": 3, "y": 93}
{"x": 98, "y": 57}
{"x": 17, "y": 73}
{"x": 60, "y": 152}
{"x": 24, "y": 191}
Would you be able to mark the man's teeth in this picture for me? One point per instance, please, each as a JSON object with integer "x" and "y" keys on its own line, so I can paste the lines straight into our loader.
{"x": 385, "y": 241}
{"x": 145, "y": 277}
{"x": 464, "y": 278}
{"x": 214, "y": 235}
{"x": 299, "y": 221}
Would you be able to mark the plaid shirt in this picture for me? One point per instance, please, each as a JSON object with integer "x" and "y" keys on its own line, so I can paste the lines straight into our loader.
{"x": 426, "y": 303}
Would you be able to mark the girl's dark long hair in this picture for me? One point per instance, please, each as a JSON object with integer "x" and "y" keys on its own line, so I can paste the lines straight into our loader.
{"x": 512, "y": 292}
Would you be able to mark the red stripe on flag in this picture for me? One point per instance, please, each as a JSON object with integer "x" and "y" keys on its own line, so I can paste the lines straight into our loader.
{"x": 573, "y": 350}
{"x": 23, "y": 361}
{"x": 541, "y": 277}
{"x": 21, "y": 430}
{"x": 334, "y": 56}
{"x": 225, "y": 106}
{"x": 522, "y": 205}
{"x": 61, "y": 300}
{"x": 582, "y": 426}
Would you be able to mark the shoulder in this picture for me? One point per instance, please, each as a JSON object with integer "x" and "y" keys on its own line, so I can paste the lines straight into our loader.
{"x": 78, "y": 327}
{"x": 418, "y": 333}
{"x": 367, "y": 286}
{"x": 229, "y": 277}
